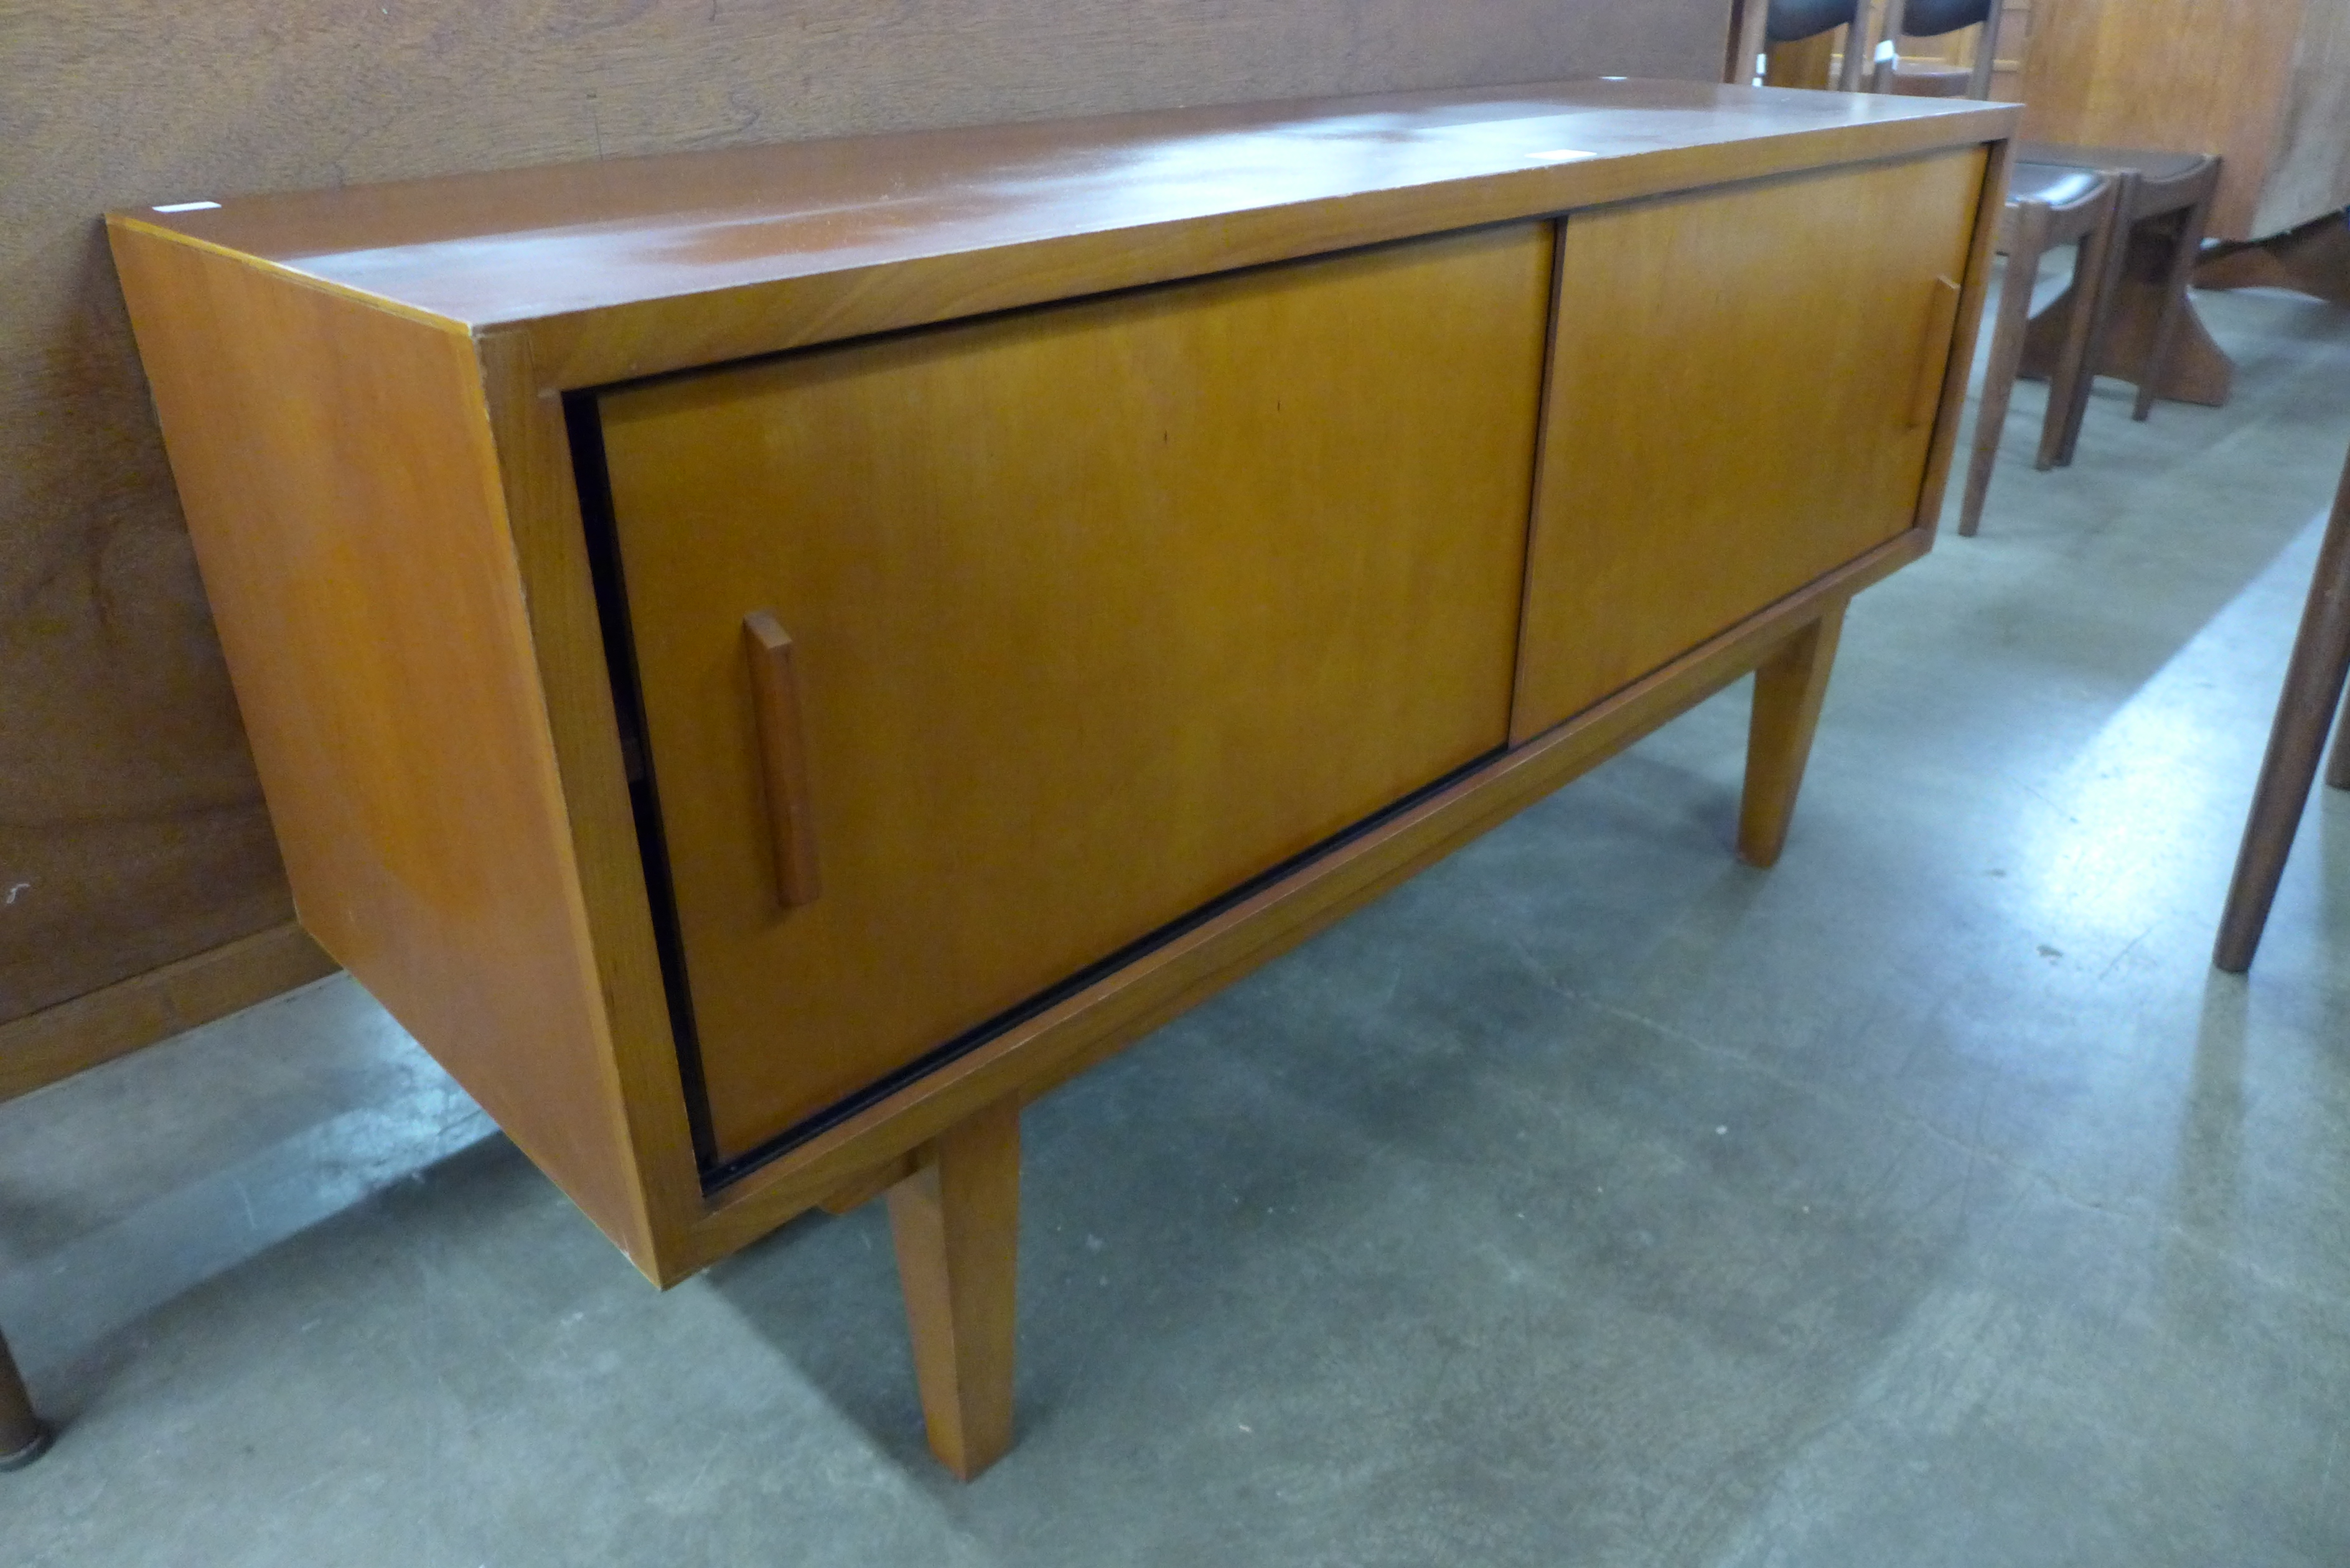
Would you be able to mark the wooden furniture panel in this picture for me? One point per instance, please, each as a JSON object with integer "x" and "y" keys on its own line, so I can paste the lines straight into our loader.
{"x": 632, "y": 268}
{"x": 337, "y": 465}
{"x": 861, "y": 1156}
{"x": 1091, "y": 607}
{"x": 2265, "y": 84}
{"x": 41, "y": 1048}
{"x": 1735, "y": 407}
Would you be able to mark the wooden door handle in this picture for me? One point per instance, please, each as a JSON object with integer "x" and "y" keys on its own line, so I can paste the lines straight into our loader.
{"x": 1934, "y": 357}
{"x": 783, "y": 758}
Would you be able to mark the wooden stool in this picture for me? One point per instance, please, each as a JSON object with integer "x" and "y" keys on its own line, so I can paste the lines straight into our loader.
{"x": 23, "y": 1436}
{"x": 2142, "y": 327}
{"x": 2047, "y": 205}
{"x": 2312, "y": 687}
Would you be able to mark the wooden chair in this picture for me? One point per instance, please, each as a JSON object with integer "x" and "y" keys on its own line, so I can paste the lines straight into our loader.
{"x": 1763, "y": 22}
{"x": 1933, "y": 19}
{"x": 2138, "y": 218}
{"x": 23, "y": 1436}
{"x": 1878, "y": 66}
{"x": 2047, "y": 205}
{"x": 2314, "y": 682}
{"x": 2136, "y": 313}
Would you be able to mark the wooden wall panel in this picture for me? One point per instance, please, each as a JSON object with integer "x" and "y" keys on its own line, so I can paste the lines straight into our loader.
{"x": 2186, "y": 75}
{"x": 131, "y": 832}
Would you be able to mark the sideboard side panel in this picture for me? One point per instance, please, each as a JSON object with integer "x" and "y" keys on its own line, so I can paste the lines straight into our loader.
{"x": 338, "y": 469}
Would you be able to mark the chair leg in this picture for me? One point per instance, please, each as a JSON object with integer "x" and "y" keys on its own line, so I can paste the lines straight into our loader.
{"x": 1885, "y": 73}
{"x": 2185, "y": 245}
{"x": 23, "y": 1436}
{"x": 2337, "y": 772}
{"x": 1859, "y": 47}
{"x": 1747, "y": 42}
{"x": 2006, "y": 353}
{"x": 2096, "y": 272}
{"x": 2313, "y": 685}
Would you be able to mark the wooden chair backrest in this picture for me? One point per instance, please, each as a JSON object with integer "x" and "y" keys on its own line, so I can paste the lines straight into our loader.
{"x": 1931, "y": 18}
{"x": 1763, "y": 22}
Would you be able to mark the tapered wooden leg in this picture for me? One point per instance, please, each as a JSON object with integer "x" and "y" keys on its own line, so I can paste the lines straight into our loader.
{"x": 2313, "y": 685}
{"x": 24, "y": 1437}
{"x": 2006, "y": 351}
{"x": 2186, "y": 240}
{"x": 2096, "y": 276}
{"x": 1787, "y": 692}
{"x": 957, "y": 1223}
{"x": 2337, "y": 772}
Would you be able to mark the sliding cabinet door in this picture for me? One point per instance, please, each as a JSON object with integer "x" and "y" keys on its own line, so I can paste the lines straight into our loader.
{"x": 1094, "y": 613}
{"x": 1742, "y": 396}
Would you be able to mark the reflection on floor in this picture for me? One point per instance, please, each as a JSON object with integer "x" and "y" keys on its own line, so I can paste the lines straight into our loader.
{"x": 1928, "y": 1200}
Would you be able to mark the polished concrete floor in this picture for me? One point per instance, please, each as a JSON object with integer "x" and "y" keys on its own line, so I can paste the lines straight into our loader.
{"x": 1592, "y": 1200}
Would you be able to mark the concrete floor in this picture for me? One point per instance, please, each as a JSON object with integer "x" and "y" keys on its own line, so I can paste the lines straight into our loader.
{"x": 1928, "y": 1200}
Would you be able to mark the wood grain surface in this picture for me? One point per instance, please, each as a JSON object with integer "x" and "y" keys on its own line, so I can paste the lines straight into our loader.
{"x": 131, "y": 832}
{"x": 1098, "y": 611}
{"x": 2263, "y": 83}
{"x": 341, "y": 475}
{"x": 41, "y": 1048}
{"x": 595, "y": 239}
{"x": 1789, "y": 688}
{"x": 1048, "y": 1050}
{"x": 1732, "y": 410}
{"x": 956, "y": 1223}
{"x": 630, "y": 268}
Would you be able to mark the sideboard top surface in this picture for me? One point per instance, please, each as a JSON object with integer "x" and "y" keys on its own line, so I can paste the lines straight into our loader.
{"x": 481, "y": 251}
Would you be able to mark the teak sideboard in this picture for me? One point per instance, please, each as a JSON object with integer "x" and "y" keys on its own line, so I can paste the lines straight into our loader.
{"x": 766, "y": 660}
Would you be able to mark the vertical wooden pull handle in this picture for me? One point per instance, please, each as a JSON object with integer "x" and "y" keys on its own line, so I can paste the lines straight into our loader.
{"x": 1934, "y": 357}
{"x": 783, "y": 758}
